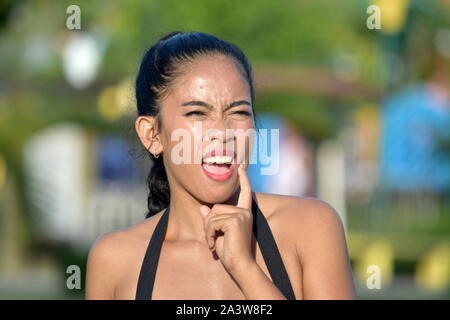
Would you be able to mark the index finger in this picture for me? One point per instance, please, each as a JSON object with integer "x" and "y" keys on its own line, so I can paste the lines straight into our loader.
{"x": 245, "y": 195}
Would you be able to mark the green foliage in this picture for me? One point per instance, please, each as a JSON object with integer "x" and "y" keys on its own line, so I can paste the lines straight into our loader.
{"x": 310, "y": 114}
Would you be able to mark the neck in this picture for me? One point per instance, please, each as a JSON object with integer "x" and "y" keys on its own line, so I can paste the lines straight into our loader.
{"x": 186, "y": 221}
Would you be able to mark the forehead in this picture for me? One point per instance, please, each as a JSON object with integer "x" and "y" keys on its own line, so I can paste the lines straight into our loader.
{"x": 213, "y": 78}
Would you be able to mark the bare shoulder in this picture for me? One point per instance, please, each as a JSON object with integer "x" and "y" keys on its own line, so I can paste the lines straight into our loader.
{"x": 305, "y": 222}
{"x": 108, "y": 244}
{"x": 316, "y": 229}
{"x": 298, "y": 212}
{"x": 111, "y": 252}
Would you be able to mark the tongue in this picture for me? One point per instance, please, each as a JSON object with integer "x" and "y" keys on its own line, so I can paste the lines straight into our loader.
{"x": 216, "y": 168}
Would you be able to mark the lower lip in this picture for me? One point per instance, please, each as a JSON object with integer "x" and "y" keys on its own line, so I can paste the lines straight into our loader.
{"x": 219, "y": 177}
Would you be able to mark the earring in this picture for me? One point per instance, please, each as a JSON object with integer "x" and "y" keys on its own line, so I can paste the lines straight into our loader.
{"x": 153, "y": 153}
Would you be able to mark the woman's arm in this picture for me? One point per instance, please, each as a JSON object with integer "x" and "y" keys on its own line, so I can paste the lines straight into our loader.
{"x": 322, "y": 250}
{"x": 100, "y": 269}
{"x": 318, "y": 234}
{"x": 256, "y": 285}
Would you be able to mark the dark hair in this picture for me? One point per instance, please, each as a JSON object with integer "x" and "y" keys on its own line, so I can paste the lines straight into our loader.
{"x": 158, "y": 68}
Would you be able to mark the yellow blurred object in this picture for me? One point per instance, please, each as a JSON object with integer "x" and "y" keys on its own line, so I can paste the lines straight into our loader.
{"x": 2, "y": 172}
{"x": 125, "y": 96}
{"x": 115, "y": 101}
{"x": 107, "y": 104}
{"x": 433, "y": 271}
{"x": 378, "y": 257}
{"x": 393, "y": 14}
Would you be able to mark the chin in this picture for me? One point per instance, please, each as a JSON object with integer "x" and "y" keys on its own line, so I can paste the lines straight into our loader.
{"x": 218, "y": 194}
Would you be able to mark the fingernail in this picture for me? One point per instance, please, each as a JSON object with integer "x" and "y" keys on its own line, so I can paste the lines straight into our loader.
{"x": 204, "y": 210}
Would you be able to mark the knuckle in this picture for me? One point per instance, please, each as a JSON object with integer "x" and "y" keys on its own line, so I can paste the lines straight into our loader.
{"x": 246, "y": 214}
{"x": 235, "y": 220}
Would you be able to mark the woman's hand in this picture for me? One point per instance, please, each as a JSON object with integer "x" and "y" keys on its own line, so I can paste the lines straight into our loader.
{"x": 228, "y": 229}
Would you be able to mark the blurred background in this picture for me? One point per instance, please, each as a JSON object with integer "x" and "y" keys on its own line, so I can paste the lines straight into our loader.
{"x": 363, "y": 114}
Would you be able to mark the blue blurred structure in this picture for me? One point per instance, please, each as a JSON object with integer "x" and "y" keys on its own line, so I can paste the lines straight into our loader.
{"x": 413, "y": 122}
{"x": 259, "y": 182}
{"x": 114, "y": 163}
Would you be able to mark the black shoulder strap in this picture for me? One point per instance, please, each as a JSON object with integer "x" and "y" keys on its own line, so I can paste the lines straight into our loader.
{"x": 263, "y": 236}
{"x": 150, "y": 264}
{"x": 270, "y": 252}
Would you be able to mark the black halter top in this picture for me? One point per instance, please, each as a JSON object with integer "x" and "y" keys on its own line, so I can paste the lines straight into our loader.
{"x": 263, "y": 236}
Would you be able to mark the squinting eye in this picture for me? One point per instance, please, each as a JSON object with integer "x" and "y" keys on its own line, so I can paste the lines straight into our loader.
{"x": 243, "y": 112}
{"x": 196, "y": 113}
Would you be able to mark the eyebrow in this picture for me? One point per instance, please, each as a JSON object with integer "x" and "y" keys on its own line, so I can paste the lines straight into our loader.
{"x": 207, "y": 105}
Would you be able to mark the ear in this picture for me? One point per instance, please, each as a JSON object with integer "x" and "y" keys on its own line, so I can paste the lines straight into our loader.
{"x": 146, "y": 129}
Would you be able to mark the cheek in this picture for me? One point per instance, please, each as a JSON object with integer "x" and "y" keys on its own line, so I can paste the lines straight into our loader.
{"x": 180, "y": 147}
{"x": 185, "y": 173}
{"x": 186, "y": 176}
{"x": 176, "y": 129}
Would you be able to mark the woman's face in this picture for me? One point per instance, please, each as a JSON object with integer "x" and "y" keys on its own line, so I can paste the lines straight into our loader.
{"x": 207, "y": 107}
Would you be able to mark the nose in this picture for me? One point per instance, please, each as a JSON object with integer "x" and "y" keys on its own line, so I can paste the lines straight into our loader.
{"x": 222, "y": 136}
{"x": 219, "y": 131}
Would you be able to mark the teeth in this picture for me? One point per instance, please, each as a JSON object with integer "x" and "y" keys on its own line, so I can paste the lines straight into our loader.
{"x": 218, "y": 159}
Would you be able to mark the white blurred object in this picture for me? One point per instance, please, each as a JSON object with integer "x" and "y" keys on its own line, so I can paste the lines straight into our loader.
{"x": 81, "y": 59}
{"x": 331, "y": 176}
{"x": 67, "y": 203}
{"x": 294, "y": 176}
{"x": 54, "y": 164}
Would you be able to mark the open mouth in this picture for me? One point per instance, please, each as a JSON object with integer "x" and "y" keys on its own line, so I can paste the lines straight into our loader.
{"x": 219, "y": 165}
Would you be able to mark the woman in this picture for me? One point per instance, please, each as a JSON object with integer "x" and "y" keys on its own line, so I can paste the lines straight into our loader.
{"x": 222, "y": 241}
